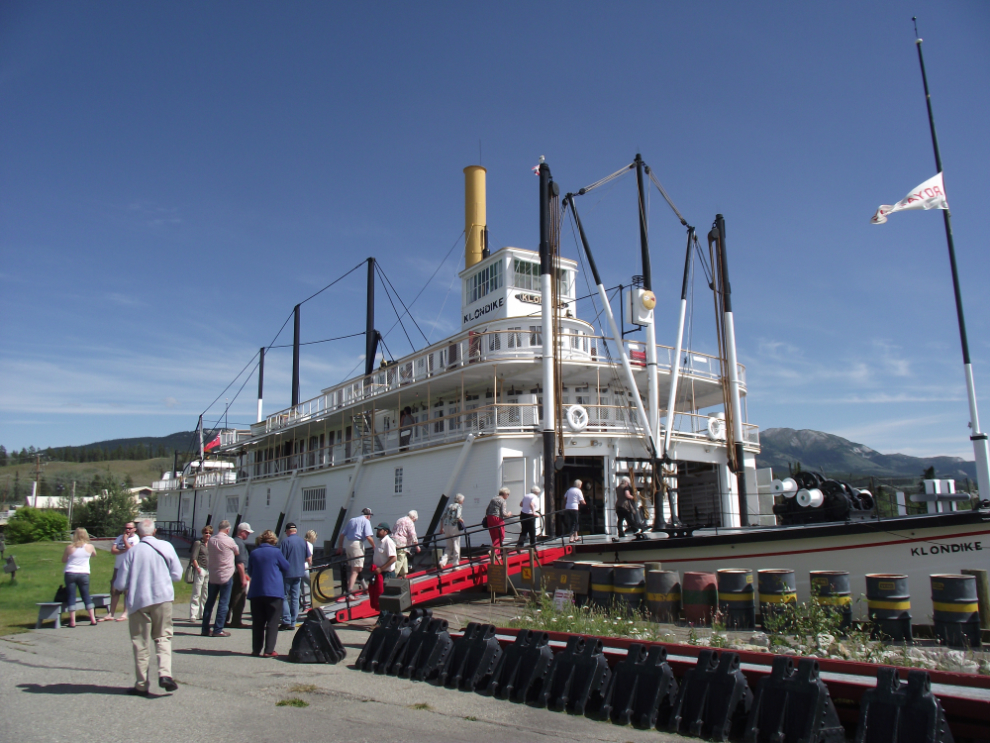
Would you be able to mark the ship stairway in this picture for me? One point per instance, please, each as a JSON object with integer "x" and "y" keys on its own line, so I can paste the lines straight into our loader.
{"x": 434, "y": 582}
{"x": 363, "y": 432}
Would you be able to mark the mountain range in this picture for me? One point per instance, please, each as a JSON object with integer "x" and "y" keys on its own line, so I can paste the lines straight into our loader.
{"x": 835, "y": 455}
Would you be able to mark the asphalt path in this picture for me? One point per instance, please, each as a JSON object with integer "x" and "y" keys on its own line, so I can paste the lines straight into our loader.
{"x": 69, "y": 685}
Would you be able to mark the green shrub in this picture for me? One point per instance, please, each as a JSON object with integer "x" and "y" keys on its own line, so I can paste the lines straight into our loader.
{"x": 36, "y": 525}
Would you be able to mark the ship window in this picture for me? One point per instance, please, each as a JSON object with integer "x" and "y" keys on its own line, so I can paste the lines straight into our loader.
{"x": 314, "y": 499}
{"x": 535, "y": 335}
{"x": 515, "y": 339}
{"x": 398, "y": 480}
{"x": 494, "y": 341}
{"x": 484, "y": 281}
{"x": 233, "y": 502}
{"x": 268, "y": 497}
{"x": 525, "y": 275}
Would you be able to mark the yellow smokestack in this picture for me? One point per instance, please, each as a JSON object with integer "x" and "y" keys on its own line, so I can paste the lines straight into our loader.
{"x": 475, "y": 217}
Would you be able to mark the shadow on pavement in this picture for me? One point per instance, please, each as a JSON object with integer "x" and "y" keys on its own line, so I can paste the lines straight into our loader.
{"x": 71, "y": 689}
{"x": 215, "y": 653}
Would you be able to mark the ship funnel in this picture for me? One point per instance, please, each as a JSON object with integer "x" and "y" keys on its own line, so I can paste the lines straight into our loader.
{"x": 475, "y": 217}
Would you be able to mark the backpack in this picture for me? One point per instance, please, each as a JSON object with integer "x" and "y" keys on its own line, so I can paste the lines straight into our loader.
{"x": 316, "y": 641}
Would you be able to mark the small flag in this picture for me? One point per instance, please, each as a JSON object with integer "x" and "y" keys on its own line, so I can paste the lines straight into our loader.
{"x": 536, "y": 170}
{"x": 929, "y": 195}
{"x": 213, "y": 444}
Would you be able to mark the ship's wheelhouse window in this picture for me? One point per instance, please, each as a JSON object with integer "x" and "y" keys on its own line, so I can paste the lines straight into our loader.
{"x": 398, "y": 480}
{"x": 535, "y": 335}
{"x": 525, "y": 275}
{"x": 484, "y": 281}
{"x": 314, "y": 499}
{"x": 515, "y": 338}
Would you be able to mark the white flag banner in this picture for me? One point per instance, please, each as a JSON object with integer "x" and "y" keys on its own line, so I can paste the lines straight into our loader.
{"x": 929, "y": 195}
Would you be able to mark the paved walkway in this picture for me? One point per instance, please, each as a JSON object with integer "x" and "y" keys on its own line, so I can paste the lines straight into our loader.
{"x": 68, "y": 685}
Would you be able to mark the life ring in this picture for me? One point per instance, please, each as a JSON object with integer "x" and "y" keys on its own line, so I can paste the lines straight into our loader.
{"x": 716, "y": 429}
{"x": 577, "y": 418}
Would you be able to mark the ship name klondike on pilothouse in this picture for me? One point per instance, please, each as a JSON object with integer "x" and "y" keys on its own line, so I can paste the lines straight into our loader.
{"x": 528, "y": 393}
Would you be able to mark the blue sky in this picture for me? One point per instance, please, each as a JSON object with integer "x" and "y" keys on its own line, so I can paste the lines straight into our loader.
{"x": 174, "y": 177}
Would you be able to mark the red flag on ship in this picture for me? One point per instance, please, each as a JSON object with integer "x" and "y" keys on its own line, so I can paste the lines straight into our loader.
{"x": 213, "y": 444}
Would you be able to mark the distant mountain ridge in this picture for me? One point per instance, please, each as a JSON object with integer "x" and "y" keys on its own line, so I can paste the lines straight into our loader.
{"x": 818, "y": 451}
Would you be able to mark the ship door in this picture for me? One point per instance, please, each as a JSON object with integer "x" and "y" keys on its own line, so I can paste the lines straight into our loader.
{"x": 591, "y": 472}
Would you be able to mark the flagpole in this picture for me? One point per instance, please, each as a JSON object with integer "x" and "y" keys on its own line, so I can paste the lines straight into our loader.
{"x": 979, "y": 439}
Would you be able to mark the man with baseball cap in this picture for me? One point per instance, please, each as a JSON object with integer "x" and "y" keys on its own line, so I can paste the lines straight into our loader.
{"x": 382, "y": 563}
{"x": 352, "y": 540}
{"x": 296, "y": 552}
{"x": 238, "y": 592}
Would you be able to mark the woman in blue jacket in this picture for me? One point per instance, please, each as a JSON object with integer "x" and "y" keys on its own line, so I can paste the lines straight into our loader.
{"x": 266, "y": 591}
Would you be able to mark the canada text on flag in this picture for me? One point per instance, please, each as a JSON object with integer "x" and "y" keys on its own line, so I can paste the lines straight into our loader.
{"x": 929, "y": 195}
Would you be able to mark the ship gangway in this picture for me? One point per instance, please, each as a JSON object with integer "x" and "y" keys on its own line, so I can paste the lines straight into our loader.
{"x": 434, "y": 582}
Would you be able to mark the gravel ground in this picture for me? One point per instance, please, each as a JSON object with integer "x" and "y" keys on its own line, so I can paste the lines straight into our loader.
{"x": 68, "y": 685}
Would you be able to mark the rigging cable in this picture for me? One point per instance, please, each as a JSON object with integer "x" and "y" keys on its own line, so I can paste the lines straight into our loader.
{"x": 397, "y": 313}
{"x": 384, "y": 276}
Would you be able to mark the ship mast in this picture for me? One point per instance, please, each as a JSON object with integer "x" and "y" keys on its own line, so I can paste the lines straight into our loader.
{"x": 549, "y": 387}
{"x": 981, "y": 450}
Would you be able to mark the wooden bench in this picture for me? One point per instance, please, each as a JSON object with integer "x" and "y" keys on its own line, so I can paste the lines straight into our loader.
{"x": 53, "y": 609}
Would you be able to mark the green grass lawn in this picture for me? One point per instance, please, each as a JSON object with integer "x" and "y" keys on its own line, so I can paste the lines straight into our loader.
{"x": 40, "y": 575}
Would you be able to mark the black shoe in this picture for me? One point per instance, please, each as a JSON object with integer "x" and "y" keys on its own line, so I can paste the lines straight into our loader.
{"x": 135, "y": 692}
{"x": 167, "y": 683}
{"x": 221, "y": 633}
{"x": 285, "y": 627}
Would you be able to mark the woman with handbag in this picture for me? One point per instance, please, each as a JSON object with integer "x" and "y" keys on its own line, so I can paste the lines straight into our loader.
{"x": 76, "y": 558}
{"x": 266, "y": 591}
{"x": 198, "y": 573}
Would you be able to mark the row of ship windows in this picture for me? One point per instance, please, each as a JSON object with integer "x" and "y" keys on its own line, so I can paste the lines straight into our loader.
{"x": 525, "y": 275}
{"x": 314, "y": 500}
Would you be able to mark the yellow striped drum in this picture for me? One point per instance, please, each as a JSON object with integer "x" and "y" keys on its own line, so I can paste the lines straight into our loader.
{"x": 778, "y": 589}
{"x": 663, "y": 595}
{"x": 629, "y": 587}
{"x": 957, "y": 612}
{"x": 889, "y": 605}
{"x": 601, "y": 592}
{"x": 830, "y": 590}
{"x": 736, "y": 598}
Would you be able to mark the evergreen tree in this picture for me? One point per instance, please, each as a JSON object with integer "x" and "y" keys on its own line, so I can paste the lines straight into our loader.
{"x": 106, "y": 514}
{"x": 3, "y": 456}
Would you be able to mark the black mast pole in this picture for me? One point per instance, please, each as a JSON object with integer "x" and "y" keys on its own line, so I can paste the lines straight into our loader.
{"x": 549, "y": 431}
{"x": 295, "y": 357}
{"x": 370, "y": 336}
{"x": 644, "y": 242}
{"x": 978, "y": 438}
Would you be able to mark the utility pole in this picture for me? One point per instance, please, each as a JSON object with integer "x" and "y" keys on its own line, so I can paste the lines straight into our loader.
{"x": 37, "y": 479}
{"x": 72, "y": 498}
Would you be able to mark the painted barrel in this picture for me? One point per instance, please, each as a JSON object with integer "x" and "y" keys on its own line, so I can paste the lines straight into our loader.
{"x": 582, "y": 599}
{"x": 629, "y": 587}
{"x": 830, "y": 590}
{"x": 889, "y": 606}
{"x": 601, "y": 593}
{"x": 699, "y": 596}
{"x": 652, "y": 566}
{"x": 736, "y": 599}
{"x": 663, "y": 595}
{"x": 778, "y": 590}
{"x": 957, "y": 614}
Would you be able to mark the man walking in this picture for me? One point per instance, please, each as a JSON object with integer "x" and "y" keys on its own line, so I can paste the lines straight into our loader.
{"x": 238, "y": 591}
{"x": 146, "y": 574}
{"x": 382, "y": 564}
{"x": 118, "y": 549}
{"x": 222, "y": 549}
{"x": 352, "y": 541}
{"x": 295, "y": 551}
{"x": 406, "y": 542}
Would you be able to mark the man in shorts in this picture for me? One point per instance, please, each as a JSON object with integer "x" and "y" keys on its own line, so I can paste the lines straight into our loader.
{"x": 352, "y": 541}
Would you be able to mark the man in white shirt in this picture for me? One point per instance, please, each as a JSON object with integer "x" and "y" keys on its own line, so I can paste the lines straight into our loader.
{"x": 383, "y": 561}
{"x": 146, "y": 575}
{"x": 118, "y": 549}
{"x": 529, "y": 506}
